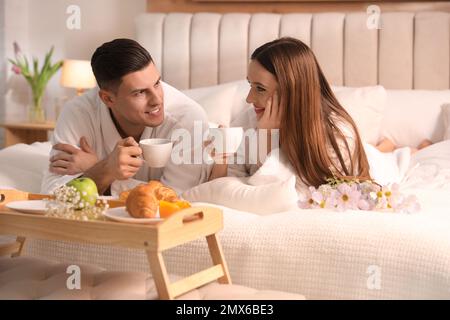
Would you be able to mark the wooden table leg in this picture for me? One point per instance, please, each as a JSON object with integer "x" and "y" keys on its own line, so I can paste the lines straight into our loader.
{"x": 21, "y": 241}
{"x": 215, "y": 249}
{"x": 13, "y": 249}
{"x": 159, "y": 273}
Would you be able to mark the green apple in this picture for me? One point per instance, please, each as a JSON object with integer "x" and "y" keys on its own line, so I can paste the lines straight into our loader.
{"x": 87, "y": 189}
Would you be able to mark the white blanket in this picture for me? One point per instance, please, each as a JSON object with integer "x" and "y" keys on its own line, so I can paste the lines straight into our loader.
{"x": 22, "y": 166}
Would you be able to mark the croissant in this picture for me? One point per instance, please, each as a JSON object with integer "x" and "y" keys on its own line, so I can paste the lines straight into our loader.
{"x": 162, "y": 192}
{"x": 124, "y": 195}
{"x": 143, "y": 201}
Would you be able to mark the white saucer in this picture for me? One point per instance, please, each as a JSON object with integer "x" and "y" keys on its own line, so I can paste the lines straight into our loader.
{"x": 29, "y": 206}
{"x": 120, "y": 214}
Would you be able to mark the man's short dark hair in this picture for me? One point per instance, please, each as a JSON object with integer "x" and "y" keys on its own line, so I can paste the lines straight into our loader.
{"x": 116, "y": 59}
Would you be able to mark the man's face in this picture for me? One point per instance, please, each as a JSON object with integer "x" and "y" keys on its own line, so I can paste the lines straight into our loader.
{"x": 139, "y": 100}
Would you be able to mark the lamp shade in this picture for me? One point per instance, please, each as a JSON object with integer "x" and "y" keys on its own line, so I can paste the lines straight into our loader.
{"x": 77, "y": 74}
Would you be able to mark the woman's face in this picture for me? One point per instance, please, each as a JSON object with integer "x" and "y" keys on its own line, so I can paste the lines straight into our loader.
{"x": 263, "y": 85}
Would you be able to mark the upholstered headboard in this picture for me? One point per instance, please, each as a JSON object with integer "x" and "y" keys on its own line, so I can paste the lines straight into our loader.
{"x": 409, "y": 51}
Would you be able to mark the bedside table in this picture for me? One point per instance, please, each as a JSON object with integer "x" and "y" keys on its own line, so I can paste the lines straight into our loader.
{"x": 26, "y": 132}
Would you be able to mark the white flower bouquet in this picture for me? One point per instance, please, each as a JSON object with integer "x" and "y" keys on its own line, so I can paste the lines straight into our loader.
{"x": 69, "y": 204}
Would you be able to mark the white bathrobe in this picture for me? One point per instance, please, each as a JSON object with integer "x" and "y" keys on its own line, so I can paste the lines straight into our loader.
{"x": 248, "y": 120}
{"x": 88, "y": 116}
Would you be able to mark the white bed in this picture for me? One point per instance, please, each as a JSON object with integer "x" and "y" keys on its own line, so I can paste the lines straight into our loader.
{"x": 320, "y": 254}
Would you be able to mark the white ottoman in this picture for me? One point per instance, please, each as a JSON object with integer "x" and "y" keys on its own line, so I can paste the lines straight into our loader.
{"x": 25, "y": 278}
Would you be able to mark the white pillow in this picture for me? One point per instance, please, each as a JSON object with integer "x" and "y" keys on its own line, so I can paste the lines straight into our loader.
{"x": 235, "y": 193}
{"x": 223, "y": 103}
{"x": 414, "y": 115}
{"x": 366, "y": 106}
{"x": 446, "y": 118}
{"x": 217, "y": 101}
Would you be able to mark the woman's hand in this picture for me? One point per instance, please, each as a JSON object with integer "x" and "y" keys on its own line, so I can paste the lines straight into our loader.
{"x": 71, "y": 160}
{"x": 220, "y": 167}
{"x": 271, "y": 119}
{"x": 219, "y": 158}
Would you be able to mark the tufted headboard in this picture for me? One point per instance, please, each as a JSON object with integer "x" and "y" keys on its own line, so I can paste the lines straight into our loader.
{"x": 409, "y": 51}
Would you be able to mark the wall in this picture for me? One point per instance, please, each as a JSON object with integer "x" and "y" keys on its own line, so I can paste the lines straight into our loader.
{"x": 15, "y": 90}
{"x": 2, "y": 65}
{"x": 14, "y": 27}
{"x": 37, "y": 25}
{"x": 285, "y": 6}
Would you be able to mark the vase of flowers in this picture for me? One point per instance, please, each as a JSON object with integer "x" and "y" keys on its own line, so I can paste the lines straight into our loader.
{"x": 37, "y": 78}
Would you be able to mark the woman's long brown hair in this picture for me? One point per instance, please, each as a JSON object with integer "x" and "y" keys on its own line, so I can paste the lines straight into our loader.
{"x": 311, "y": 115}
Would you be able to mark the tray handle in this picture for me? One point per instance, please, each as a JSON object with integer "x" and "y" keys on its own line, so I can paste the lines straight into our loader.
{"x": 192, "y": 215}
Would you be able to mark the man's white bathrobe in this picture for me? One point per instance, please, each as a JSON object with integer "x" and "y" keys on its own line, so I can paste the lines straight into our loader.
{"x": 88, "y": 116}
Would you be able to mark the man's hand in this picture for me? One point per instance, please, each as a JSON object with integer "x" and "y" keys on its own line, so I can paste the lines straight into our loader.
{"x": 271, "y": 119}
{"x": 124, "y": 162}
{"x": 71, "y": 160}
{"x": 121, "y": 164}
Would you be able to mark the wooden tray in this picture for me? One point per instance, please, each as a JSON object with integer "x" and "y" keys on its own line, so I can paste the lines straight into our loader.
{"x": 184, "y": 226}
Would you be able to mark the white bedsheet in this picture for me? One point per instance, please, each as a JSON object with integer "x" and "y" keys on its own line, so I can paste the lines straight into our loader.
{"x": 22, "y": 166}
{"x": 320, "y": 254}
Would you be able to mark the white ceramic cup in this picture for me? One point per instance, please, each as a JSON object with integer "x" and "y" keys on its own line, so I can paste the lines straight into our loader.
{"x": 156, "y": 152}
{"x": 226, "y": 140}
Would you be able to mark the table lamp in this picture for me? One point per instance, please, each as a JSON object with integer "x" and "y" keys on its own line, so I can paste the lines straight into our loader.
{"x": 78, "y": 74}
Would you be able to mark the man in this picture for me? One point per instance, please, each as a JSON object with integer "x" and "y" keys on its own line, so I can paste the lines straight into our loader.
{"x": 97, "y": 134}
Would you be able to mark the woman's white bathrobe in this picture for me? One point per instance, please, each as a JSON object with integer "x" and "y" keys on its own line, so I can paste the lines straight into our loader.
{"x": 88, "y": 116}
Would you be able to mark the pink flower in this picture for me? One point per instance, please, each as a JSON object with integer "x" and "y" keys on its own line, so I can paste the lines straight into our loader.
{"x": 364, "y": 204}
{"x": 343, "y": 195}
{"x": 410, "y": 205}
{"x": 348, "y": 197}
{"x": 319, "y": 199}
{"x": 16, "y": 69}
{"x": 307, "y": 201}
{"x": 394, "y": 196}
{"x": 367, "y": 187}
{"x": 389, "y": 198}
{"x": 368, "y": 195}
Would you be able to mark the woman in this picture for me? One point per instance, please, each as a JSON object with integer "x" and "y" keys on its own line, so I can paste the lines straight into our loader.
{"x": 317, "y": 136}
